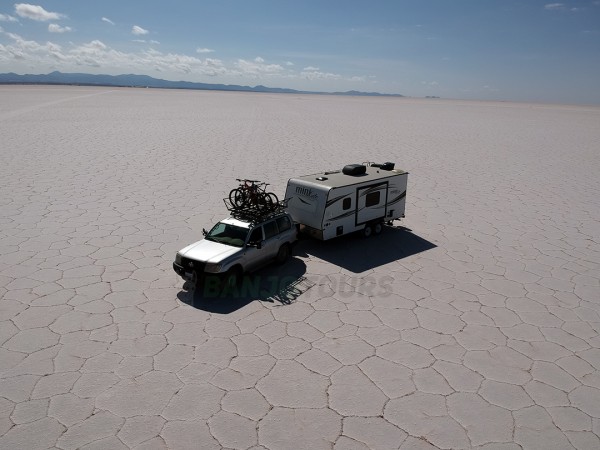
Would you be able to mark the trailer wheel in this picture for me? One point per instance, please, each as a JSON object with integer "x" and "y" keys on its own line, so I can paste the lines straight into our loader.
{"x": 378, "y": 228}
{"x": 367, "y": 231}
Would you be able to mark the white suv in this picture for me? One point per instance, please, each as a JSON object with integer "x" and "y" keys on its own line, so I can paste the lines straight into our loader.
{"x": 234, "y": 246}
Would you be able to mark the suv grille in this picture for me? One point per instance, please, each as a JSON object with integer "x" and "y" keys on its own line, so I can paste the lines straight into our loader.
{"x": 190, "y": 264}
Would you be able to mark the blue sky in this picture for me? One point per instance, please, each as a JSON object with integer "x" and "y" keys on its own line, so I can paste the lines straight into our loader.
{"x": 523, "y": 50}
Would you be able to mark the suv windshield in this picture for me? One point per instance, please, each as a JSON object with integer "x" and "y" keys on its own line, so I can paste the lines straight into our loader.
{"x": 225, "y": 233}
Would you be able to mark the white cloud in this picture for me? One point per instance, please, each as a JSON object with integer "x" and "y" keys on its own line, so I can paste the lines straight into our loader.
{"x": 95, "y": 45}
{"x": 55, "y": 28}
{"x": 24, "y": 50}
{"x": 107, "y": 20}
{"x": 7, "y": 18}
{"x": 258, "y": 67}
{"x": 138, "y": 31}
{"x": 289, "y": 63}
{"x": 96, "y": 54}
{"x": 313, "y": 73}
{"x": 97, "y": 57}
{"x": 204, "y": 50}
{"x": 561, "y": 7}
{"x": 144, "y": 41}
{"x": 35, "y": 12}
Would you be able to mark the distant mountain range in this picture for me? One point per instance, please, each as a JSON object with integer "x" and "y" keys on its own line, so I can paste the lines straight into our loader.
{"x": 131, "y": 80}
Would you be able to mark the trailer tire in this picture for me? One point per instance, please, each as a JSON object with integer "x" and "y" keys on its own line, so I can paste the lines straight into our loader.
{"x": 367, "y": 231}
{"x": 378, "y": 228}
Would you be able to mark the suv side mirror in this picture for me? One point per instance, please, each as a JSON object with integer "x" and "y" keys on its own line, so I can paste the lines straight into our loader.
{"x": 257, "y": 244}
{"x": 204, "y": 232}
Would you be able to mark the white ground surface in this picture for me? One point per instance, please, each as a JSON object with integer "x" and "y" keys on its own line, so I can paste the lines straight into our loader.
{"x": 478, "y": 328}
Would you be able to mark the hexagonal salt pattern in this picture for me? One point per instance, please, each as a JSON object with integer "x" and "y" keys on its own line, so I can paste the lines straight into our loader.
{"x": 477, "y": 329}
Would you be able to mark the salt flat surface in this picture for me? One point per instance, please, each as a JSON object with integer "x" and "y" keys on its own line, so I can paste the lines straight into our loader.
{"x": 478, "y": 328}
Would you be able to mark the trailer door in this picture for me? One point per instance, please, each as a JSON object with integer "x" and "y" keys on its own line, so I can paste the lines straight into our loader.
{"x": 371, "y": 202}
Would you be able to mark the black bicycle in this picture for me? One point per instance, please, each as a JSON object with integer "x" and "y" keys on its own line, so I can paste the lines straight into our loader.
{"x": 252, "y": 193}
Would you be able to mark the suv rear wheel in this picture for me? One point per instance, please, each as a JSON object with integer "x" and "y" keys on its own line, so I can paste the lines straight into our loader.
{"x": 283, "y": 254}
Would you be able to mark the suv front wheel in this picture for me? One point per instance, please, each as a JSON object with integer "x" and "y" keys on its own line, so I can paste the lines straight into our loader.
{"x": 232, "y": 278}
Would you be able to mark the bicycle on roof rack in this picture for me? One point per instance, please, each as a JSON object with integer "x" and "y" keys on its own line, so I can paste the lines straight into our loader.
{"x": 255, "y": 213}
{"x": 252, "y": 194}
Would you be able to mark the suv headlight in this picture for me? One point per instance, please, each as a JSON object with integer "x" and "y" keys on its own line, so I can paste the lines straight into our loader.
{"x": 178, "y": 259}
{"x": 212, "y": 268}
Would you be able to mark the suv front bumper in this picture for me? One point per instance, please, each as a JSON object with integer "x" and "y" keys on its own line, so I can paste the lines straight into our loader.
{"x": 186, "y": 268}
{"x": 179, "y": 270}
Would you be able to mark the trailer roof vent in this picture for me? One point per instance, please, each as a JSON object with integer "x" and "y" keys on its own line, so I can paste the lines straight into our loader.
{"x": 354, "y": 169}
{"x": 384, "y": 166}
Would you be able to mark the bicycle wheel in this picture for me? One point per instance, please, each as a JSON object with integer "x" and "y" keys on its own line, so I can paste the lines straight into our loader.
{"x": 237, "y": 198}
{"x": 264, "y": 202}
{"x": 273, "y": 197}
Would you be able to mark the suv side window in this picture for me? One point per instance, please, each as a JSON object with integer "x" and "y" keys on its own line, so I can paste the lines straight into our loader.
{"x": 284, "y": 223}
{"x": 270, "y": 229}
{"x": 256, "y": 235}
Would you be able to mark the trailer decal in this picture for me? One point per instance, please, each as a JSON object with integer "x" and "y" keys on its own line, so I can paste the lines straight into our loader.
{"x": 379, "y": 187}
{"x": 333, "y": 200}
{"x": 397, "y": 199}
{"x": 341, "y": 216}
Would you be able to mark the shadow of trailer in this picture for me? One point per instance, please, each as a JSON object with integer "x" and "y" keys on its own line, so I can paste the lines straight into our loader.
{"x": 357, "y": 255}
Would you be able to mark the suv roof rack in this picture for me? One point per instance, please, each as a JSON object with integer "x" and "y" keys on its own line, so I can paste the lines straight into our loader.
{"x": 255, "y": 213}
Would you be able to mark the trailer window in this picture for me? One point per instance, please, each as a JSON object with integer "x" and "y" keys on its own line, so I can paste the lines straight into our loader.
{"x": 372, "y": 198}
{"x": 347, "y": 203}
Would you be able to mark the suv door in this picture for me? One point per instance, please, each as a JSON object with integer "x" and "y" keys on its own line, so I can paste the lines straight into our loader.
{"x": 272, "y": 239}
{"x": 285, "y": 228}
{"x": 254, "y": 256}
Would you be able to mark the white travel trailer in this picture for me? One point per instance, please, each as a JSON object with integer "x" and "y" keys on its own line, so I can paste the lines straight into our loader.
{"x": 360, "y": 197}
